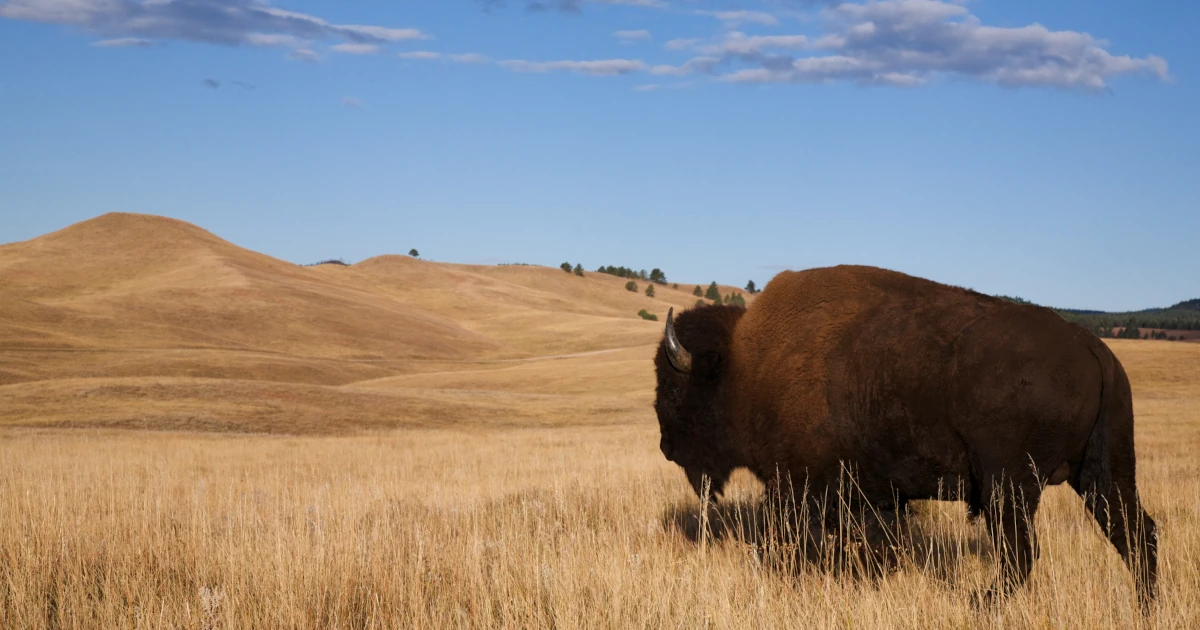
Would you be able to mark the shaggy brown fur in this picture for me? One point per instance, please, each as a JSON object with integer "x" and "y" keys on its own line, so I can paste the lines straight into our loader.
{"x": 925, "y": 390}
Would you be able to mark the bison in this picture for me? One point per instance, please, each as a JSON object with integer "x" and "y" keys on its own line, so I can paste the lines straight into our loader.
{"x": 927, "y": 391}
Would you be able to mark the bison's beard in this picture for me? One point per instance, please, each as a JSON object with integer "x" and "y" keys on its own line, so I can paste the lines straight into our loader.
{"x": 702, "y": 480}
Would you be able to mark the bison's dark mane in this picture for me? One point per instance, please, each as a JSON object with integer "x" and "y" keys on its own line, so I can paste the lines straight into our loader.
{"x": 689, "y": 406}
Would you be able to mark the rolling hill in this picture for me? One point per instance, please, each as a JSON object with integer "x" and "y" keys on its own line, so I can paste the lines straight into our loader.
{"x": 145, "y": 321}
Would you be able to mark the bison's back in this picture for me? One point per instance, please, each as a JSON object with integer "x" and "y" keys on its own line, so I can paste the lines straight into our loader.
{"x": 858, "y": 360}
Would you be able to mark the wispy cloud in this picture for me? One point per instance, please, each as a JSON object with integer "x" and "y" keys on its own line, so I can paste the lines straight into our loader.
{"x": 355, "y": 49}
{"x": 228, "y": 22}
{"x": 424, "y": 55}
{"x": 244, "y": 85}
{"x": 427, "y": 55}
{"x": 603, "y": 67}
{"x": 738, "y": 43}
{"x": 567, "y": 6}
{"x": 351, "y": 102}
{"x": 654, "y": 4}
{"x": 304, "y": 54}
{"x": 691, "y": 66}
{"x": 564, "y": 6}
{"x": 124, "y": 42}
{"x": 682, "y": 43}
{"x": 905, "y": 43}
{"x": 468, "y": 58}
{"x": 630, "y": 37}
{"x": 734, "y": 19}
{"x": 212, "y": 84}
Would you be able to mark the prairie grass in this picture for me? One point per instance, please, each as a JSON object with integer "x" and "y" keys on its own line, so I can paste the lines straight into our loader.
{"x": 528, "y": 528}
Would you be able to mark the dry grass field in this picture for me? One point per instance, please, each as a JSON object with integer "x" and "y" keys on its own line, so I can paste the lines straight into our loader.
{"x": 197, "y": 436}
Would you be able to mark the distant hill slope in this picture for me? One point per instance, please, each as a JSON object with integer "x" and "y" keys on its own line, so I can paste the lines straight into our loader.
{"x": 529, "y": 310}
{"x": 134, "y": 282}
{"x": 1184, "y": 316}
{"x": 126, "y": 295}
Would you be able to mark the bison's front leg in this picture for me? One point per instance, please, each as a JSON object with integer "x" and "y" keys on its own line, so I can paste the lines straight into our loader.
{"x": 1009, "y": 510}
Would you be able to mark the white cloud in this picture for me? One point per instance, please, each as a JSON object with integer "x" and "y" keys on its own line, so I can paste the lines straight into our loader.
{"x": 737, "y": 43}
{"x": 912, "y": 42}
{"x": 468, "y": 58}
{"x": 124, "y": 42}
{"x": 682, "y": 43}
{"x": 304, "y": 54}
{"x": 423, "y": 55}
{"x": 629, "y": 37}
{"x": 734, "y": 19}
{"x": 384, "y": 34}
{"x": 603, "y": 67}
{"x": 881, "y": 42}
{"x": 275, "y": 39}
{"x": 691, "y": 66}
{"x": 355, "y": 49}
{"x": 657, "y": 4}
{"x": 426, "y": 55}
{"x": 351, "y": 102}
{"x": 229, "y": 22}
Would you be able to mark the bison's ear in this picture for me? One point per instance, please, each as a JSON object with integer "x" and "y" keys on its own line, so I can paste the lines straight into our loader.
{"x": 708, "y": 365}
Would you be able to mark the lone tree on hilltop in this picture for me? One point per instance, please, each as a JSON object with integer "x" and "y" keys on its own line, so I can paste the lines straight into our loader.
{"x": 713, "y": 293}
{"x": 698, "y": 292}
{"x": 750, "y": 288}
{"x": 565, "y": 267}
{"x": 579, "y": 270}
{"x": 649, "y": 290}
{"x": 631, "y": 286}
{"x": 414, "y": 253}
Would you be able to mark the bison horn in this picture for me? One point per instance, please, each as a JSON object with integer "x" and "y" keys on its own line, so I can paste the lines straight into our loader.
{"x": 680, "y": 358}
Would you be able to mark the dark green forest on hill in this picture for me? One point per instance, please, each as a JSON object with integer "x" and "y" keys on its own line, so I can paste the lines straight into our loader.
{"x": 1130, "y": 324}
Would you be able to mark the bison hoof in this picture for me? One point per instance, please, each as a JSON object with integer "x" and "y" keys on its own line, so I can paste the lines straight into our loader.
{"x": 987, "y": 598}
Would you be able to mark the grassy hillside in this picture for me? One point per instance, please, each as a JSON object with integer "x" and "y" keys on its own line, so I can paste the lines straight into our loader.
{"x": 143, "y": 321}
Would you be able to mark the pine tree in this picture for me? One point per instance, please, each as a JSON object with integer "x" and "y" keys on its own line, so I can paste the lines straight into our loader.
{"x": 713, "y": 293}
{"x": 414, "y": 253}
{"x": 631, "y": 286}
{"x": 750, "y": 288}
{"x": 649, "y": 290}
{"x": 579, "y": 270}
{"x": 565, "y": 267}
{"x": 697, "y": 292}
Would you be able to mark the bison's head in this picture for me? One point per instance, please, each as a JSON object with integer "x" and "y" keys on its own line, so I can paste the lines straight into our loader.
{"x": 693, "y": 396}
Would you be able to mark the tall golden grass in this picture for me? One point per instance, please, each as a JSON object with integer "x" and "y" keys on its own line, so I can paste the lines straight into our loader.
{"x": 527, "y": 528}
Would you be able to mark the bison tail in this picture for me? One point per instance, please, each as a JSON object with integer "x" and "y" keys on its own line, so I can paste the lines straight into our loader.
{"x": 1095, "y": 471}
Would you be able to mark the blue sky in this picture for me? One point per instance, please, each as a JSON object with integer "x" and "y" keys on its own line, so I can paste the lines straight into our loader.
{"x": 1047, "y": 150}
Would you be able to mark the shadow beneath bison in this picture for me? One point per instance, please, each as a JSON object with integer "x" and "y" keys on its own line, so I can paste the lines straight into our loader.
{"x": 862, "y": 543}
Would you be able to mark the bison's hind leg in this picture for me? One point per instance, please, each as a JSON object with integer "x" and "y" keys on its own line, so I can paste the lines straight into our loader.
{"x": 1119, "y": 512}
